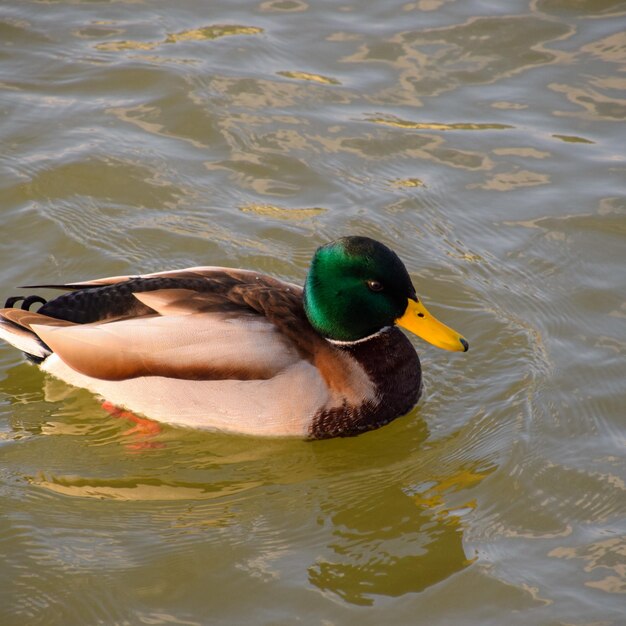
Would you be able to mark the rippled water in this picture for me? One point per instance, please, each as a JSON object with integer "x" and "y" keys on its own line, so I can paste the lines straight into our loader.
{"x": 484, "y": 142}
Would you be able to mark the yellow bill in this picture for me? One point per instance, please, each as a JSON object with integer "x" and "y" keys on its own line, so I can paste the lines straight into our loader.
{"x": 420, "y": 322}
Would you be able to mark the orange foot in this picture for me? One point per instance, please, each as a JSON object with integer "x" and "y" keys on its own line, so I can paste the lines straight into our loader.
{"x": 143, "y": 425}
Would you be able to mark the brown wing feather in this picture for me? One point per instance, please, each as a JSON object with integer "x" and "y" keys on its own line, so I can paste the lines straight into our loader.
{"x": 198, "y": 324}
{"x": 113, "y": 298}
{"x": 26, "y": 318}
{"x": 122, "y": 334}
{"x": 193, "y": 346}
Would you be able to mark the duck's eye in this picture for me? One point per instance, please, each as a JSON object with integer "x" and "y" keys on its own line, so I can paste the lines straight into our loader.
{"x": 374, "y": 285}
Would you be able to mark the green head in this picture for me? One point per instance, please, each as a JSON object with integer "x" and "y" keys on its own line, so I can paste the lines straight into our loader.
{"x": 355, "y": 287}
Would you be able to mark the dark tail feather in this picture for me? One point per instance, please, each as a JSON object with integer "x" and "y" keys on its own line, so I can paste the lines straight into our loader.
{"x": 27, "y": 301}
{"x": 69, "y": 287}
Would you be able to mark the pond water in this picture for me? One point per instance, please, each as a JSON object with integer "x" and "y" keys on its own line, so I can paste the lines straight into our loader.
{"x": 484, "y": 142}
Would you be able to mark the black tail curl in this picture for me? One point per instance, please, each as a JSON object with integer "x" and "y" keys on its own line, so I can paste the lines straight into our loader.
{"x": 27, "y": 301}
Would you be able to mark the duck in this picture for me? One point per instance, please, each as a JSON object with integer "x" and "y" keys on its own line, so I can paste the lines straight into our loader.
{"x": 239, "y": 351}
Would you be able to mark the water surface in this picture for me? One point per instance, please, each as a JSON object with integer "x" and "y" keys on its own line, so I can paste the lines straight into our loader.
{"x": 484, "y": 142}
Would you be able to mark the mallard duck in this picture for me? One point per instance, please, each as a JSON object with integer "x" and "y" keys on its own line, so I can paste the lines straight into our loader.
{"x": 238, "y": 351}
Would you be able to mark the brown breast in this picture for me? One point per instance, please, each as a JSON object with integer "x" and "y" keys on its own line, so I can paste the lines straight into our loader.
{"x": 393, "y": 367}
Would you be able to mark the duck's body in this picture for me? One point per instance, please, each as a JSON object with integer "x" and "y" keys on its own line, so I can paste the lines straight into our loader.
{"x": 233, "y": 350}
